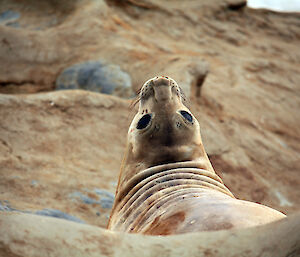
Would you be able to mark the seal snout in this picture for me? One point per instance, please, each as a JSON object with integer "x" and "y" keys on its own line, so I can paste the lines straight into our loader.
{"x": 162, "y": 89}
{"x": 161, "y": 81}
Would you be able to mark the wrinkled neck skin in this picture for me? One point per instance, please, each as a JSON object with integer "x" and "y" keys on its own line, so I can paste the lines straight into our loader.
{"x": 171, "y": 136}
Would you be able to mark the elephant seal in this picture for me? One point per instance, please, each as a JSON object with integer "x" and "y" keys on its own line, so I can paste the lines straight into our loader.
{"x": 167, "y": 184}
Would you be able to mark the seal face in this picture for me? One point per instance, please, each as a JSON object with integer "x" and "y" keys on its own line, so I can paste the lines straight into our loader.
{"x": 167, "y": 184}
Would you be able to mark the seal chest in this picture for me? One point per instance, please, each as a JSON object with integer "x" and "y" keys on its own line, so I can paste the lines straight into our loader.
{"x": 167, "y": 184}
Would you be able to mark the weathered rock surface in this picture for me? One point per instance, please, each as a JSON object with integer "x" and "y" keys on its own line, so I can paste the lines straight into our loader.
{"x": 56, "y": 144}
{"x": 30, "y": 235}
{"x": 144, "y": 38}
{"x": 239, "y": 66}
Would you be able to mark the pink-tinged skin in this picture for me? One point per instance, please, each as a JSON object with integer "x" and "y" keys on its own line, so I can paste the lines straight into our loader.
{"x": 167, "y": 184}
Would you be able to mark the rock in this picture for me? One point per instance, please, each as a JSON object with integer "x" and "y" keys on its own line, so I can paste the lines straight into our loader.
{"x": 96, "y": 76}
{"x": 236, "y": 4}
{"x": 34, "y": 183}
{"x": 9, "y": 16}
{"x": 106, "y": 198}
{"x": 58, "y": 214}
{"x": 210, "y": 29}
{"x": 198, "y": 71}
{"x": 5, "y": 206}
{"x": 107, "y": 203}
{"x": 74, "y": 151}
{"x": 32, "y": 235}
{"x": 84, "y": 198}
{"x": 105, "y": 193}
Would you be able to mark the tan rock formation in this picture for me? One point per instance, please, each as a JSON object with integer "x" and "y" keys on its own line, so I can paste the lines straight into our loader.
{"x": 32, "y": 236}
{"x": 55, "y": 144}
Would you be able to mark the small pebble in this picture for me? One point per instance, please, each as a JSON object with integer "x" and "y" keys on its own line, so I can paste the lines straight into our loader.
{"x": 97, "y": 76}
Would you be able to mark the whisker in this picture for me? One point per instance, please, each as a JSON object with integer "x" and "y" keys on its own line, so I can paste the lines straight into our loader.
{"x": 135, "y": 101}
{"x": 139, "y": 90}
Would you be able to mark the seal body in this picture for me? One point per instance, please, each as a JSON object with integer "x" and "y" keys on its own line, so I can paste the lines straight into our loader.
{"x": 167, "y": 184}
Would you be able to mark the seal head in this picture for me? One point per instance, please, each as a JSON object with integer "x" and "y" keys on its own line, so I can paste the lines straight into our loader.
{"x": 163, "y": 131}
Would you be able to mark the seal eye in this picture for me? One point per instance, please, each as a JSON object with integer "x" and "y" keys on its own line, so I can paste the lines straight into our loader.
{"x": 144, "y": 121}
{"x": 187, "y": 116}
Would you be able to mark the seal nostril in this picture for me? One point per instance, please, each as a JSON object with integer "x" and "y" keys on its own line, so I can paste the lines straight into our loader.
{"x": 144, "y": 121}
{"x": 186, "y": 115}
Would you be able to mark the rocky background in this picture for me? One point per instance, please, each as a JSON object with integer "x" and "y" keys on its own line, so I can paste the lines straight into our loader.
{"x": 60, "y": 150}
